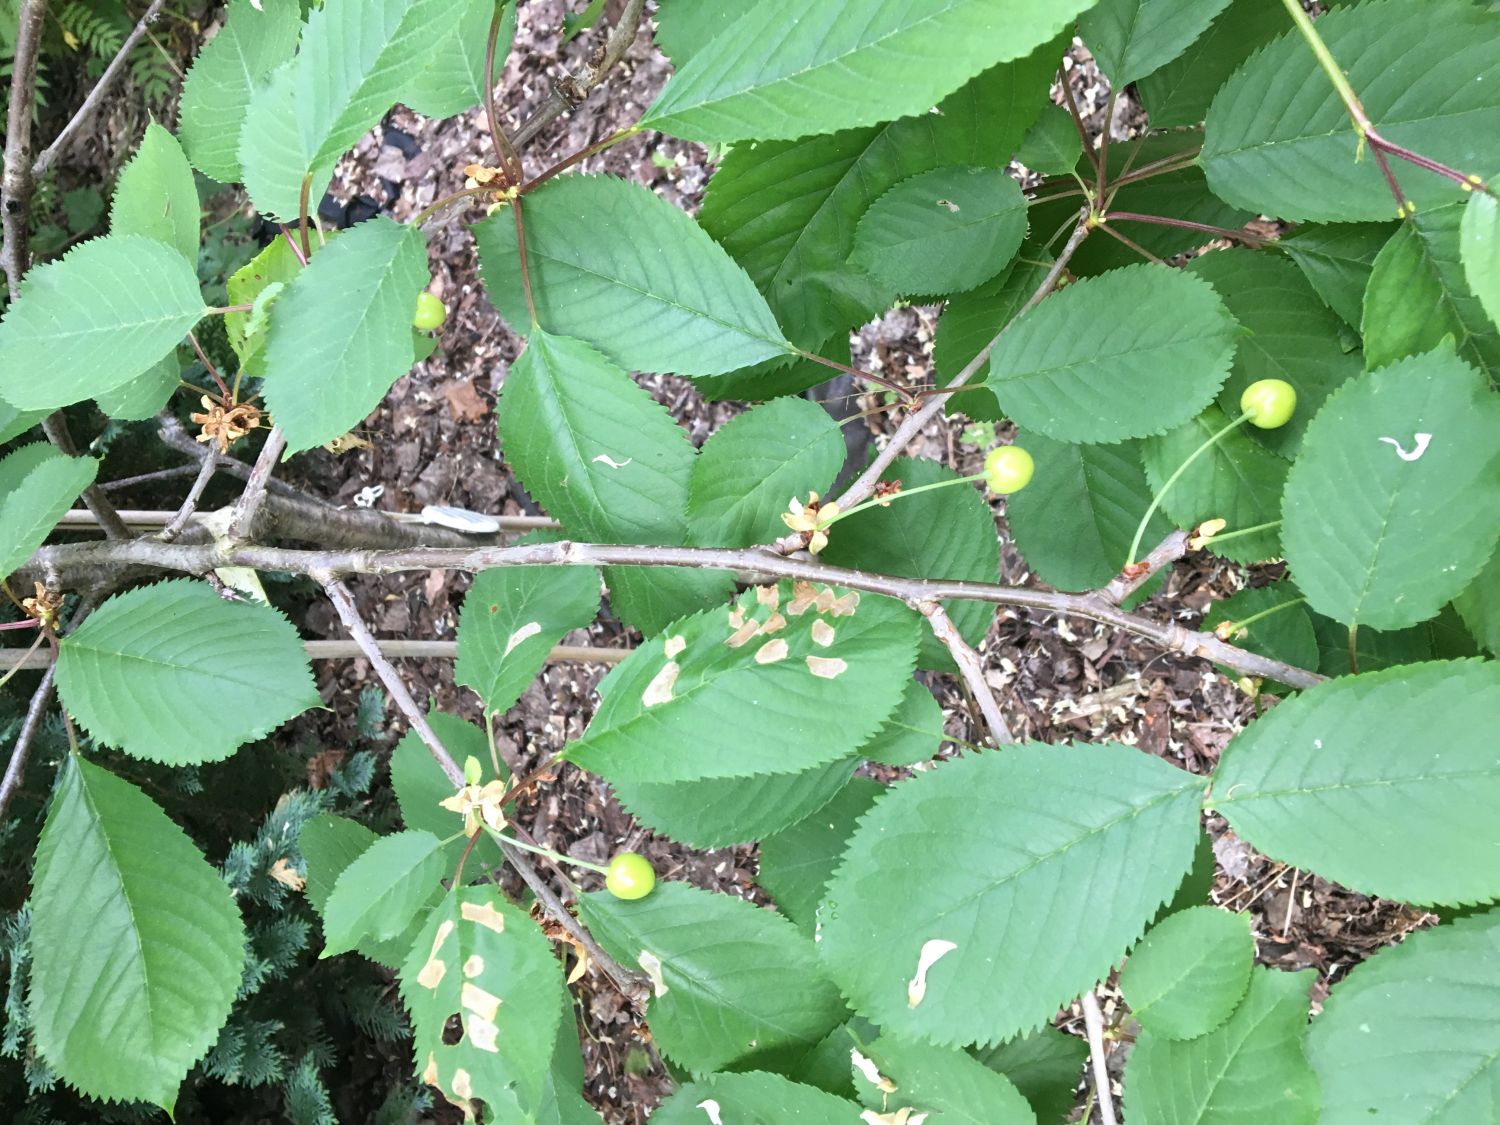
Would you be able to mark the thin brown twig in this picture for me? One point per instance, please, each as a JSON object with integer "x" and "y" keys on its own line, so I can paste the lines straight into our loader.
{"x": 864, "y": 485}
{"x": 1167, "y": 552}
{"x": 568, "y": 93}
{"x": 96, "y": 95}
{"x": 344, "y": 650}
{"x": 55, "y": 426}
{"x": 19, "y": 183}
{"x": 1093, "y": 1022}
{"x": 180, "y": 518}
{"x": 506, "y": 152}
{"x": 1252, "y": 240}
{"x": 242, "y": 525}
{"x": 1129, "y": 242}
{"x": 16, "y": 767}
{"x": 752, "y": 563}
{"x": 970, "y": 666}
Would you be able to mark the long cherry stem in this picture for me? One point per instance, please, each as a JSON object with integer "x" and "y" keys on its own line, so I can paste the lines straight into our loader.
{"x": 1135, "y": 544}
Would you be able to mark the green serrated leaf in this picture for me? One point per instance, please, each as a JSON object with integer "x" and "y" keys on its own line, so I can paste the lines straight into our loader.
{"x": 911, "y": 735}
{"x": 1479, "y": 247}
{"x": 1179, "y": 92}
{"x": 696, "y": 701}
{"x": 685, "y": 27}
{"x": 947, "y": 533}
{"x": 453, "y": 78}
{"x": 1479, "y": 605}
{"x": 1410, "y": 1034}
{"x": 756, "y": 1098}
{"x": 1289, "y": 335}
{"x": 606, "y": 460}
{"x": 618, "y": 266}
{"x": 347, "y": 316}
{"x": 1394, "y": 504}
{"x": 1044, "y": 1065}
{"x": 257, "y": 37}
{"x": 1328, "y": 781}
{"x": 795, "y": 67}
{"x": 1237, "y": 479}
{"x": 1284, "y": 634}
{"x": 420, "y": 784}
{"x": 14, "y": 423}
{"x": 1130, "y": 39}
{"x": 735, "y": 985}
{"x": 1279, "y": 141}
{"x": 1418, "y": 294}
{"x": 944, "y": 231}
{"x": 329, "y": 844}
{"x": 146, "y": 395}
{"x": 752, "y": 467}
{"x": 1247, "y": 1072}
{"x": 1008, "y": 840}
{"x": 1052, "y": 146}
{"x": 1337, "y": 260}
{"x": 1074, "y": 522}
{"x": 787, "y": 210}
{"x": 945, "y": 1083}
{"x": 797, "y": 862}
{"x": 382, "y": 890}
{"x": 485, "y": 961}
{"x": 136, "y": 943}
{"x": 512, "y": 616}
{"x": 95, "y": 319}
{"x": 1079, "y": 367}
{"x": 968, "y": 324}
{"x": 1189, "y": 972}
{"x": 718, "y": 812}
{"x": 355, "y": 59}
{"x": 155, "y": 196}
{"x": 259, "y": 283}
{"x": 173, "y": 673}
{"x": 37, "y": 486}
{"x": 1439, "y": 638}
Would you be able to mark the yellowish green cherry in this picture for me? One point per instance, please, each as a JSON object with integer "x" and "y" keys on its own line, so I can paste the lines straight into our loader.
{"x": 1008, "y": 469}
{"x": 430, "y": 312}
{"x": 1269, "y": 403}
{"x": 629, "y": 876}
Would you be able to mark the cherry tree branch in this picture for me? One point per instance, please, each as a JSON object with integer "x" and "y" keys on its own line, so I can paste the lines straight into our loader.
{"x": 1128, "y": 581}
{"x": 864, "y": 486}
{"x": 568, "y": 93}
{"x": 70, "y": 560}
{"x": 96, "y": 95}
{"x": 16, "y": 767}
{"x": 180, "y": 518}
{"x": 40, "y": 659}
{"x": 55, "y": 426}
{"x": 242, "y": 525}
{"x": 1093, "y": 1023}
{"x": 19, "y": 183}
{"x": 970, "y": 666}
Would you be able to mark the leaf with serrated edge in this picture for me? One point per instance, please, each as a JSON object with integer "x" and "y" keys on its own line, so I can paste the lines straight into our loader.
{"x": 794, "y": 67}
{"x": 1394, "y": 503}
{"x": 718, "y": 812}
{"x": 511, "y": 618}
{"x": 485, "y": 961}
{"x": 354, "y": 59}
{"x": 257, "y": 37}
{"x": 607, "y": 460}
{"x": 940, "y": 1081}
{"x": 1285, "y": 634}
{"x": 1237, "y": 480}
{"x": 1190, "y": 971}
{"x": 733, "y": 983}
{"x": 968, "y": 324}
{"x": 420, "y": 785}
{"x": 328, "y": 845}
{"x": 912, "y": 734}
{"x": 797, "y": 862}
{"x": 1480, "y": 250}
{"x": 1074, "y": 522}
{"x": 1076, "y": 369}
{"x": 1410, "y": 1034}
{"x": 1479, "y": 605}
{"x": 95, "y": 319}
{"x": 453, "y": 78}
{"x": 1052, "y": 146}
{"x": 1289, "y": 334}
{"x": 1278, "y": 139}
{"x": 155, "y": 196}
{"x": 755, "y": 1097}
{"x": 173, "y": 673}
{"x": 616, "y": 265}
{"x": 1418, "y": 294}
{"x": 945, "y": 533}
{"x": 1013, "y": 840}
{"x": 347, "y": 316}
{"x": 144, "y": 396}
{"x": 751, "y": 468}
{"x": 380, "y": 892}
{"x": 1247, "y": 1072}
{"x": 277, "y": 265}
{"x": 685, "y": 27}
{"x": 944, "y": 231}
{"x": 695, "y": 701}
{"x": 1329, "y": 781}
{"x": 37, "y": 486}
{"x": 1130, "y": 39}
{"x": 1044, "y": 1065}
{"x": 136, "y": 943}
{"x": 1179, "y": 93}
{"x": 1337, "y": 260}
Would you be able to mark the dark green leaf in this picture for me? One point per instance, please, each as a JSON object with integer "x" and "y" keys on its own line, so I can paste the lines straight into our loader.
{"x": 1190, "y": 972}
{"x": 796, "y": 863}
{"x": 420, "y": 784}
{"x": 379, "y": 893}
{"x": 1130, "y": 39}
{"x": 943, "y": 1082}
{"x": 685, "y": 27}
{"x": 1284, "y": 634}
{"x": 1479, "y": 605}
{"x": 1179, "y": 92}
{"x": 756, "y": 1099}
{"x": 1337, "y": 260}
{"x": 1044, "y": 1065}
{"x": 968, "y": 324}
{"x": 912, "y": 734}
{"x": 1052, "y": 146}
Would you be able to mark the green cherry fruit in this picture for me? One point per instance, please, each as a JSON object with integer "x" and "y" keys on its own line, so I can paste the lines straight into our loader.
{"x": 1269, "y": 403}
{"x": 630, "y": 876}
{"x": 1008, "y": 469}
{"x": 430, "y": 313}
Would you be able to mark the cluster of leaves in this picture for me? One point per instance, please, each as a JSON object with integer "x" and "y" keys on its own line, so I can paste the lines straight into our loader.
{"x": 927, "y": 931}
